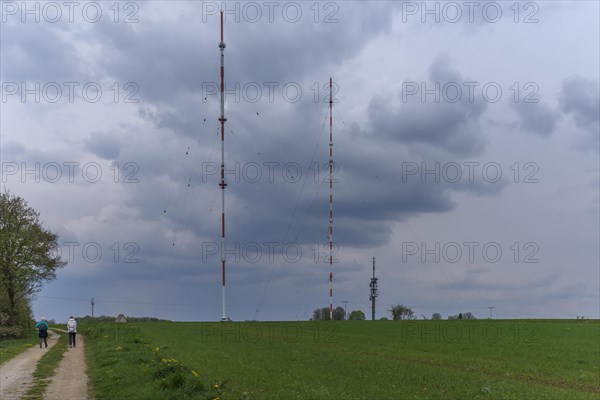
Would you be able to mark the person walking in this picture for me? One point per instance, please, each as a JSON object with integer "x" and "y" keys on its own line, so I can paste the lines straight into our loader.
{"x": 72, "y": 330}
{"x": 42, "y": 328}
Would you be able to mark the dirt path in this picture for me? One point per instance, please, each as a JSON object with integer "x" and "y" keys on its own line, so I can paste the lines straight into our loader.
{"x": 16, "y": 375}
{"x": 70, "y": 379}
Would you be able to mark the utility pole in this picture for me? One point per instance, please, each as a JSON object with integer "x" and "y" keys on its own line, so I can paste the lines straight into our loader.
{"x": 374, "y": 294}
{"x": 345, "y": 312}
{"x": 491, "y": 308}
{"x": 92, "y": 303}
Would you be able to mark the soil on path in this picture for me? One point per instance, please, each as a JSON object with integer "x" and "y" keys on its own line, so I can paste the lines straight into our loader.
{"x": 70, "y": 378}
{"x": 16, "y": 375}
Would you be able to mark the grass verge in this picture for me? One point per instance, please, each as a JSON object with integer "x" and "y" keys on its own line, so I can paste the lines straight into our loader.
{"x": 9, "y": 348}
{"x": 45, "y": 370}
{"x": 128, "y": 366}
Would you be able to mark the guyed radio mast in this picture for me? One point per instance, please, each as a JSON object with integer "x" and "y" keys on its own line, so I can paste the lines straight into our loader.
{"x": 330, "y": 199}
{"x": 222, "y": 184}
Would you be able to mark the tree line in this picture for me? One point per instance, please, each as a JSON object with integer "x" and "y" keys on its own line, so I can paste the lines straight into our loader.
{"x": 398, "y": 312}
{"x": 29, "y": 257}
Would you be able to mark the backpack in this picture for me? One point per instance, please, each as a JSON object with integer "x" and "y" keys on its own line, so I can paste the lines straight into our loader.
{"x": 43, "y": 328}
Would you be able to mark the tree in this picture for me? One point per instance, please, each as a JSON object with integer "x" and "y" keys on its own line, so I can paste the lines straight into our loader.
{"x": 14, "y": 327}
{"x": 468, "y": 315}
{"x": 28, "y": 253}
{"x": 339, "y": 314}
{"x": 356, "y": 315}
{"x": 400, "y": 311}
{"x": 322, "y": 314}
{"x": 436, "y": 316}
{"x": 316, "y": 314}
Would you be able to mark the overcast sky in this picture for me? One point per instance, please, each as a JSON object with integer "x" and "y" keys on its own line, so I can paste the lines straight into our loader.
{"x": 466, "y": 146}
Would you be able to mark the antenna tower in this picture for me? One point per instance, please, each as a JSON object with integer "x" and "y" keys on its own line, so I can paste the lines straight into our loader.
{"x": 330, "y": 199}
{"x": 374, "y": 294}
{"x": 222, "y": 184}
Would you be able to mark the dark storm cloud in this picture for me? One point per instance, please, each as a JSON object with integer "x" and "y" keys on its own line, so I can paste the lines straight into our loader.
{"x": 43, "y": 53}
{"x": 481, "y": 282}
{"x": 294, "y": 50}
{"x": 170, "y": 63}
{"x": 163, "y": 61}
{"x": 537, "y": 118}
{"x": 371, "y": 195}
{"x": 173, "y": 208}
{"x": 15, "y": 149}
{"x": 453, "y": 127}
{"x": 31, "y": 155}
{"x": 579, "y": 97}
{"x": 104, "y": 145}
{"x": 181, "y": 56}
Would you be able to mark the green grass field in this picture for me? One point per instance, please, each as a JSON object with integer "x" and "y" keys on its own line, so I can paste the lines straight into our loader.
{"x": 521, "y": 359}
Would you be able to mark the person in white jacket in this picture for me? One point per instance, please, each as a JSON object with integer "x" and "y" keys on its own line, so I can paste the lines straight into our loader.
{"x": 72, "y": 330}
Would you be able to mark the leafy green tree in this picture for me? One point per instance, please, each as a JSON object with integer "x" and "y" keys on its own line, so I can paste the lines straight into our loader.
{"x": 338, "y": 313}
{"x": 400, "y": 311}
{"x": 28, "y": 253}
{"x": 356, "y": 315}
{"x": 322, "y": 314}
{"x": 316, "y": 314}
{"x": 467, "y": 315}
{"x": 14, "y": 328}
{"x": 436, "y": 316}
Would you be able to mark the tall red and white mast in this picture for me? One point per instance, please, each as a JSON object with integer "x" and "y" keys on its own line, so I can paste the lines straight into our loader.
{"x": 222, "y": 184}
{"x": 330, "y": 199}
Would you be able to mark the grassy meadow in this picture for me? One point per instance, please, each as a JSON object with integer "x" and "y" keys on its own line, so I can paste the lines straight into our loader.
{"x": 479, "y": 359}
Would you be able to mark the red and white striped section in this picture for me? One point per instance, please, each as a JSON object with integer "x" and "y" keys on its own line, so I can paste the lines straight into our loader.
{"x": 330, "y": 199}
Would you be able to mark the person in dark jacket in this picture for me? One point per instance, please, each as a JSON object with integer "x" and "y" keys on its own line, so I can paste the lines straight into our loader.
{"x": 42, "y": 328}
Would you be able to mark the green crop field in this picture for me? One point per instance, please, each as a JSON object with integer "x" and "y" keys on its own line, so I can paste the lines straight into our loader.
{"x": 482, "y": 359}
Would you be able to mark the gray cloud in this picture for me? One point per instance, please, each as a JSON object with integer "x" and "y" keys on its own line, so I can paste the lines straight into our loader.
{"x": 536, "y": 118}
{"x": 452, "y": 127}
{"x": 104, "y": 145}
{"x": 171, "y": 135}
{"x": 579, "y": 98}
{"x": 43, "y": 53}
